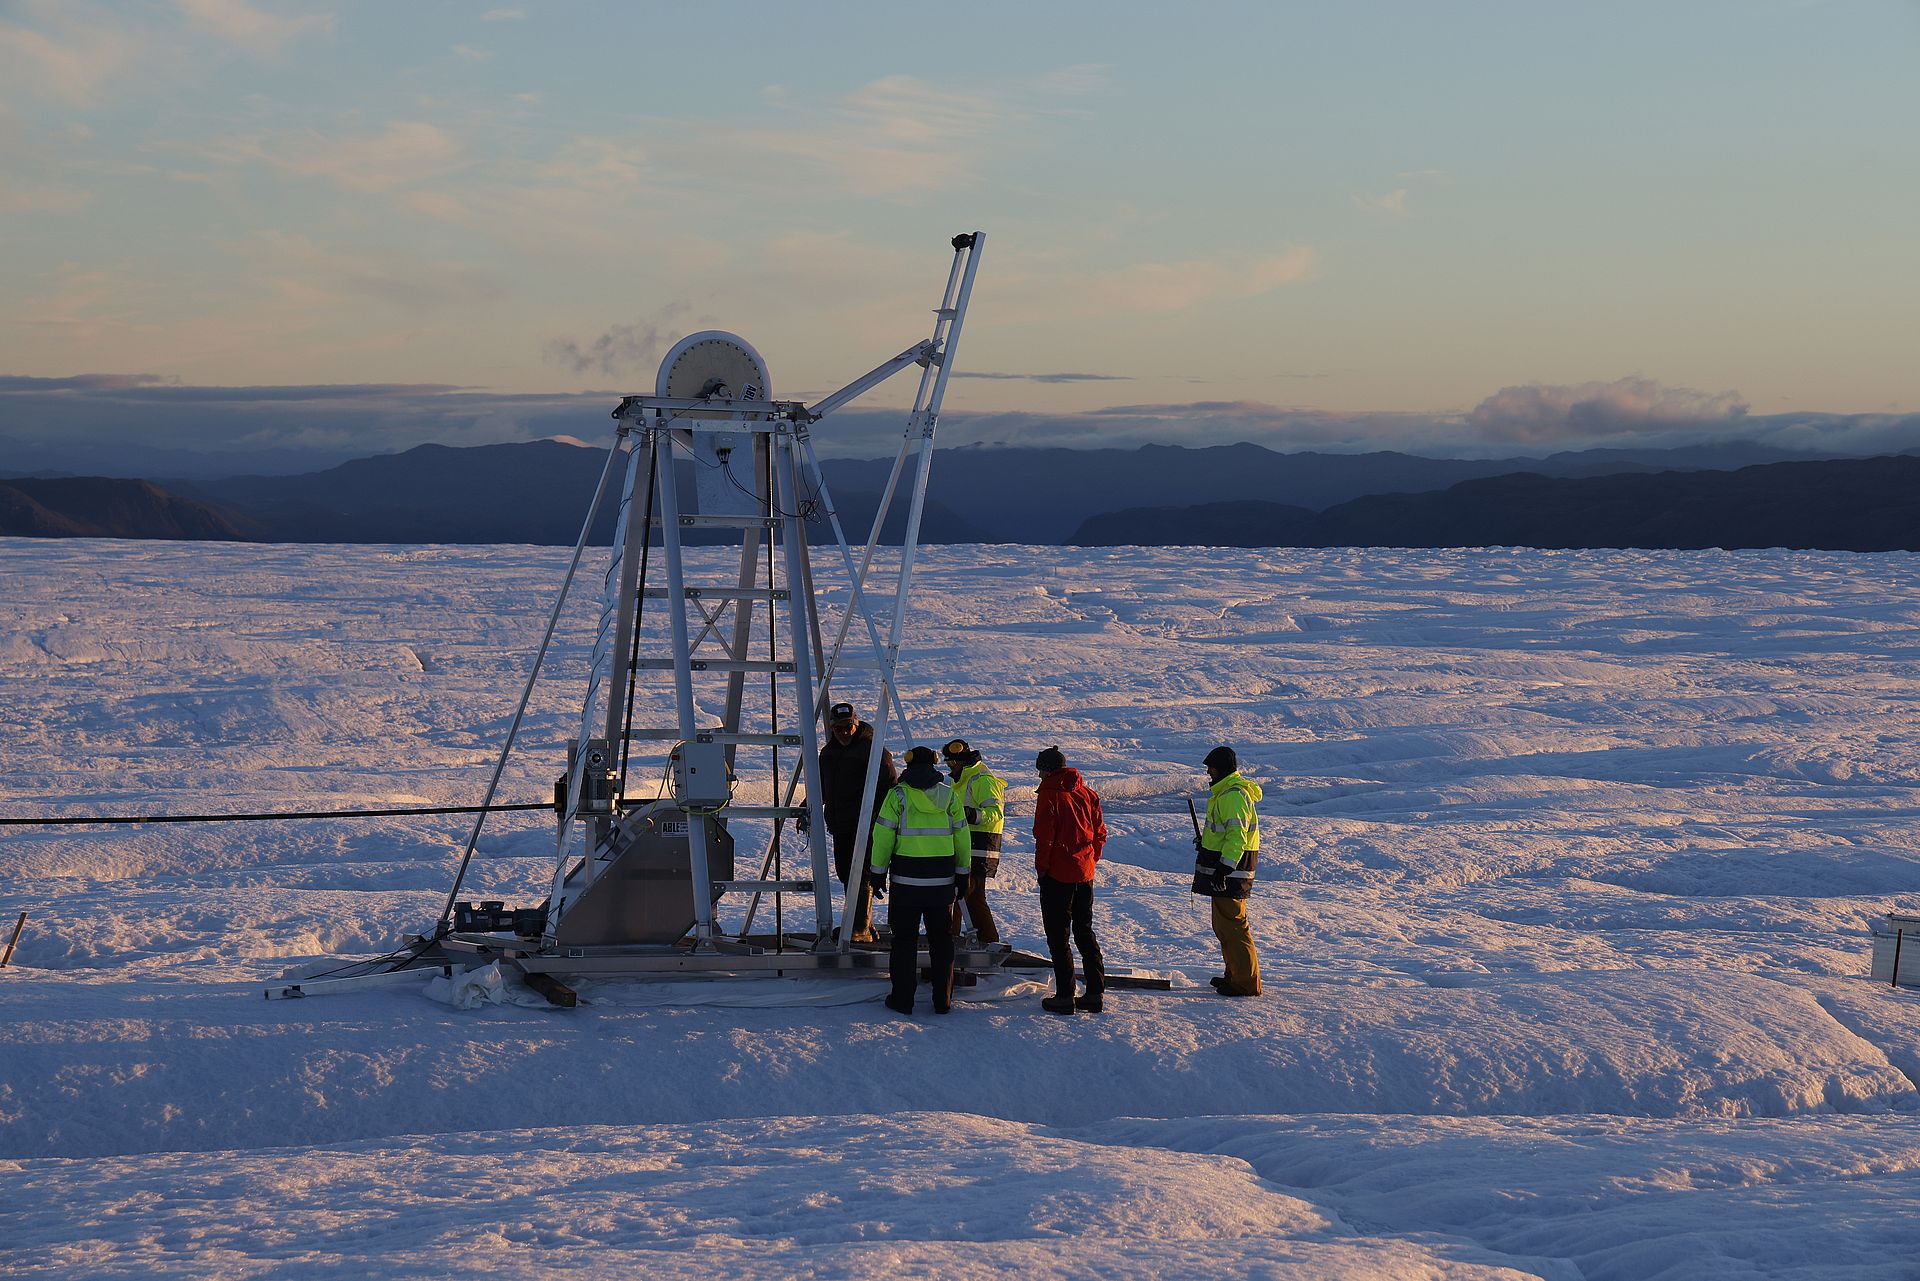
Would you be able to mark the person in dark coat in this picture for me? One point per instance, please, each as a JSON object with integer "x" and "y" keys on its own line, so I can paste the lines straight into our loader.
{"x": 843, "y": 775}
{"x": 1068, "y": 834}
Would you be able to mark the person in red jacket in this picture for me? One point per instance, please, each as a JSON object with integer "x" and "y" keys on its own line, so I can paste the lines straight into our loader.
{"x": 1068, "y": 835}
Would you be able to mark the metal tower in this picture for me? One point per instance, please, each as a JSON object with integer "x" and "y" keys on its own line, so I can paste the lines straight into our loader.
{"x": 638, "y": 878}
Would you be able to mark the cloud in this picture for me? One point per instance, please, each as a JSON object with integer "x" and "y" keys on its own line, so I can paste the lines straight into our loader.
{"x": 406, "y": 151}
{"x": 304, "y": 269}
{"x": 77, "y": 54}
{"x": 403, "y": 153}
{"x": 503, "y": 15}
{"x": 1077, "y": 80}
{"x": 1626, "y": 407}
{"x": 258, "y": 32}
{"x": 1393, "y": 203}
{"x": 1153, "y": 287}
{"x": 31, "y": 197}
{"x": 469, "y": 53}
{"x": 152, "y": 425}
{"x": 623, "y": 348}
{"x": 1044, "y": 378}
{"x": 80, "y": 382}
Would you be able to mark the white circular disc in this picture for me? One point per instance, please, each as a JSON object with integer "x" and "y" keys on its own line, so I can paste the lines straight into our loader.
{"x": 713, "y": 363}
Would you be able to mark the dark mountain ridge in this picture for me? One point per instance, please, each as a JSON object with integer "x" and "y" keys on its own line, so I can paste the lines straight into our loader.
{"x": 1868, "y": 505}
{"x": 108, "y": 507}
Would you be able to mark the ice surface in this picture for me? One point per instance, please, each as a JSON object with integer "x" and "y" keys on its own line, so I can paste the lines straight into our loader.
{"x": 1563, "y": 922}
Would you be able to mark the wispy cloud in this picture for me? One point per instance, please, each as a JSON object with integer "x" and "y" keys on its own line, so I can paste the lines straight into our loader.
{"x": 503, "y": 15}
{"x": 1044, "y": 378}
{"x": 313, "y": 273}
{"x": 405, "y": 152}
{"x": 622, "y": 349}
{"x": 248, "y": 27}
{"x": 471, "y": 53}
{"x": 1155, "y": 287}
{"x": 1393, "y": 203}
{"x": 72, "y": 55}
{"x": 32, "y": 197}
{"x": 1076, "y": 81}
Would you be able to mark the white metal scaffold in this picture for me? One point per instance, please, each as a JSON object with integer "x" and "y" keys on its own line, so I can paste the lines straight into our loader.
{"x": 637, "y": 880}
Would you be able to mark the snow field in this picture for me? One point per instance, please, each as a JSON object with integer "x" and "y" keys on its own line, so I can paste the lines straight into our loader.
{"x": 1569, "y": 863}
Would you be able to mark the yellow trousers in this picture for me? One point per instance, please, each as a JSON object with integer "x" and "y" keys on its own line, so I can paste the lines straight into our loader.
{"x": 1236, "y": 944}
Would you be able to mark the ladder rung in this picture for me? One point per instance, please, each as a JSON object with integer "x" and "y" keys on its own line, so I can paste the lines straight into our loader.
{"x": 781, "y": 665}
{"x": 724, "y": 522}
{"x": 766, "y": 811}
{"x": 761, "y": 886}
{"x": 717, "y": 736}
{"x": 721, "y": 593}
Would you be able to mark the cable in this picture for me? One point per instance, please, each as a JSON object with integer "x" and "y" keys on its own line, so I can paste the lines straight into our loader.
{"x": 260, "y": 818}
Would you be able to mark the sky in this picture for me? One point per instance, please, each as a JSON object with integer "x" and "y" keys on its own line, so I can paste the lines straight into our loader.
{"x": 328, "y": 229}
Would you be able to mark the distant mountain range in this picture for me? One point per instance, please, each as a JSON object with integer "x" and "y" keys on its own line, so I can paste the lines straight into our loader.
{"x": 1728, "y": 495}
{"x": 1868, "y": 505}
{"x": 98, "y": 507}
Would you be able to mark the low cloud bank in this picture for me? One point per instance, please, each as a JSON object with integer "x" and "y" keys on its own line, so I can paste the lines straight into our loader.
{"x": 147, "y": 424}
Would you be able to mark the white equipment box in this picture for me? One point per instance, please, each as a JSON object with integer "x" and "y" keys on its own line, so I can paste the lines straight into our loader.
{"x": 700, "y": 777}
{"x": 1896, "y": 951}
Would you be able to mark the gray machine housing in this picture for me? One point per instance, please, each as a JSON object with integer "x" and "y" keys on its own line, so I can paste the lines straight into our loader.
{"x": 643, "y": 892}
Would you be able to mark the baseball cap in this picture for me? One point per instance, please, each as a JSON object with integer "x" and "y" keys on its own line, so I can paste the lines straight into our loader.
{"x": 840, "y": 712}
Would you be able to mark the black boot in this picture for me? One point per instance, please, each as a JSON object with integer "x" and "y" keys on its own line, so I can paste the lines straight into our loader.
{"x": 899, "y": 1006}
{"x": 1057, "y": 1004}
{"x": 1092, "y": 1002}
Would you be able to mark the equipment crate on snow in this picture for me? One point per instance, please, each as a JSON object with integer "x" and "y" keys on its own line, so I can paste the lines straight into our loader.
{"x": 1896, "y": 951}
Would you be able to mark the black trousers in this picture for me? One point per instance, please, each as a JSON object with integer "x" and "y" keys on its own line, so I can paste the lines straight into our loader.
{"x": 1064, "y": 906}
{"x": 861, "y": 911}
{"x": 913, "y": 906}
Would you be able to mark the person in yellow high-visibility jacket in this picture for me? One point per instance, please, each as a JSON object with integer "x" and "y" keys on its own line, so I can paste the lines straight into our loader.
{"x": 983, "y": 797}
{"x": 1224, "y": 860}
{"x": 922, "y": 844}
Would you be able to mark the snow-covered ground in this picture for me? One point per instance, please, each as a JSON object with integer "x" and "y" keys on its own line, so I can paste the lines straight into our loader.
{"x": 1564, "y": 922}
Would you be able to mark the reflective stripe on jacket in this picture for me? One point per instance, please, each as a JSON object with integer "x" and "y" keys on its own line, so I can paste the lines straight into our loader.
{"x": 1230, "y": 835}
{"x": 983, "y": 795}
{"x": 922, "y": 836}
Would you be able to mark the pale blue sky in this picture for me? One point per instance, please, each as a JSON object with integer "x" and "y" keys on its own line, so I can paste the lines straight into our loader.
{"x": 1678, "y": 213}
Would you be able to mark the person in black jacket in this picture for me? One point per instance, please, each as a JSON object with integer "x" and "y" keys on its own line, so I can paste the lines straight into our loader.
{"x": 843, "y": 773}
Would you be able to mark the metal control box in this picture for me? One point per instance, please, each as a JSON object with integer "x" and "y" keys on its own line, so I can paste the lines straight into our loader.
{"x": 701, "y": 780}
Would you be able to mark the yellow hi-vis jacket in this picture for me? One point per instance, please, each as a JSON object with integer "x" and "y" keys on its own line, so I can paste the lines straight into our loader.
{"x": 922, "y": 836}
{"x": 983, "y": 798}
{"x": 1230, "y": 835}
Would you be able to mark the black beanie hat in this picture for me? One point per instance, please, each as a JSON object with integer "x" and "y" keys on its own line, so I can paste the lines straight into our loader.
{"x": 1050, "y": 759}
{"x": 1223, "y": 759}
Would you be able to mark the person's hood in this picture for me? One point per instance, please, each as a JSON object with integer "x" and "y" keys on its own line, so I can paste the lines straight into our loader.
{"x": 922, "y": 797}
{"x": 922, "y": 776}
{"x": 1064, "y": 779}
{"x": 1240, "y": 781}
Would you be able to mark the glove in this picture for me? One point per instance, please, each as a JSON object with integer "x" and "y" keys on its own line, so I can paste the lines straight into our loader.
{"x": 973, "y": 815}
{"x": 1221, "y": 869}
{"x": 878, "y": 881}
{"x": 960, "y": 882}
